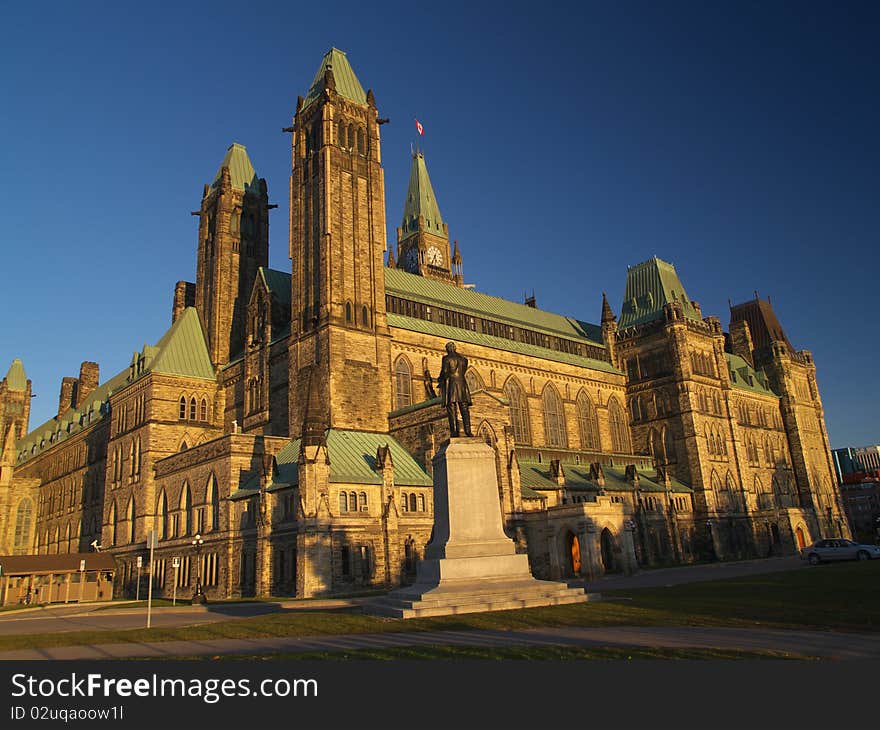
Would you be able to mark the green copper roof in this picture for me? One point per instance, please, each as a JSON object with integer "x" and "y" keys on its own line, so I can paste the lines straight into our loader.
{"x": 650, "y": 285}
{"x": 744, "y": 377}
{"x": 437, "y": 293}
{"x": 535, "y": 475}
{"x": 420, "y": 200}
{"x": 182, "y": 350}
{"x": 16, "y": 378}
{"x": 498, "y": 343}
{"x": 277, "y": 282}
{"x": 241, "y": 171}
{"x": 352, "y": 461}
{"x": 347, "y": 83}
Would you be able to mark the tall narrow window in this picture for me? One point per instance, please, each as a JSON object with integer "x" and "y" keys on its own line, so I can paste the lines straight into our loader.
{"x": 113, "y": 522}
{"x": 182, "y": 412}
{"x": 203, "y": 411}
{"x": 421, "y": 503}
{"x": 365, "y": 317}
{"x": 348, "y": 312}
{"x": 21, "y": 541}
{"x": 402, "y": 383}
{"x": 186, "y": 508}
{"x": 343, "y": 501}
{"x": 587, "y": 426}
{"x": 554, "y": 418}
{"x": 519, "y": 411}
{"x": 619, "y": 433}
{"x": 162, "y": 515}
{"x": 192, "y": 409}
{"x": 131, "y": 514}
{"x": 214, "y": 503}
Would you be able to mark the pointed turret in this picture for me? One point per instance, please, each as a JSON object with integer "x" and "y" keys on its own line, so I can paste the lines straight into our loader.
{"x": 15, "y": 401}
{"x": 392, "y": 264}
{"x": 423, "y": 237}
{"x": 457, "y": 268}
{"x": 233, "y": 244}
{"x": 609, "y": 328}
{"x": 342, "y": 79}
{"x": 607, "y": 315}
{"x": 15, "y": 377}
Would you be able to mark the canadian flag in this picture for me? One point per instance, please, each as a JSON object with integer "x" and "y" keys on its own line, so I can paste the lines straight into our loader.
{"x": 420, "y": 128}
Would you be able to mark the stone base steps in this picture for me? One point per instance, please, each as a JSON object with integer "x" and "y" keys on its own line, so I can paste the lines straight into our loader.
{"x": 417, "y": 601}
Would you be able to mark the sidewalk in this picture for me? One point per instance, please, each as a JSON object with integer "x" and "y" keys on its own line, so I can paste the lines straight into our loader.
{"x": 825, "y": 644}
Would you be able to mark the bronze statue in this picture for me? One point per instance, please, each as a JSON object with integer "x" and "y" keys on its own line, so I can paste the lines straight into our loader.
{"x": 454, "y": 389}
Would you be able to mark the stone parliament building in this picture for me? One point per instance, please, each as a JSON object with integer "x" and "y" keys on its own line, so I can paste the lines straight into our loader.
{"x": 290, "y": 418}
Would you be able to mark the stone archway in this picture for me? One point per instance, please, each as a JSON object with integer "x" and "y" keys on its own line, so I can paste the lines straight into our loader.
{"x": 606, "y": 540}
{"x": 799, "y": 536}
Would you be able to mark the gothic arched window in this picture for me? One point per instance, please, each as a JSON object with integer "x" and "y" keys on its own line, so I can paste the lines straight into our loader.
{"x": 203, "y": 410}
{"x": 669, "y": 445}
{"x": 186, "y": 508}
{"x": 182, "y": 413}
{"x": 343, "y": 501}
{"x": 192, "y": 409}
{"x": 402, "y": 383}
{"x": 588, "y": 427}
{"x": 619, "y": 433}
{"x": 113, "y": 522}
{"x": 213, "y": 500}
{"x": 21, "y": 540}
{"x": 162, "y": 515}
{"x": 554, "y": 418}
{"x": 519, "y": 411}
{"x": 131, "y": 514}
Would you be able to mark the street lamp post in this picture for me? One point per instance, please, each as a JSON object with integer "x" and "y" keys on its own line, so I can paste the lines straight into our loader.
{"x": 198, "y": 596}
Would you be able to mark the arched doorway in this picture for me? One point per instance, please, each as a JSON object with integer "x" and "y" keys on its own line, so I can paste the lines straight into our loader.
{"x": 574, "y": 553}
{"x": 607, "y": 541}
{"x": 801, "y": 540}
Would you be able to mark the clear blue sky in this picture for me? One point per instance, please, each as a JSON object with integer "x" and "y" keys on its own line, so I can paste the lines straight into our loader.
{"x": 739, "y": 142}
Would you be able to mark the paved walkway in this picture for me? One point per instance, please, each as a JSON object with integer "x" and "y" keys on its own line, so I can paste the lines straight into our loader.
{"x": 825, "y": 644}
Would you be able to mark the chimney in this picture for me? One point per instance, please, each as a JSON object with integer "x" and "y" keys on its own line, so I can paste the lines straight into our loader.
{"x": 88, "y": 380}
{"x": 65, "y": 399}
{"x": 741, "y": 341}
{"x": 184, "y": 296}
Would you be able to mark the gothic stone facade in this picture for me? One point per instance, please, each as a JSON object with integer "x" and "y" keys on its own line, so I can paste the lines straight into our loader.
{"x": 290, "y": 419}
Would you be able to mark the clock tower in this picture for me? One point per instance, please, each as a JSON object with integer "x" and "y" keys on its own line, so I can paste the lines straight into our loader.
{"x": 423, "y": 237}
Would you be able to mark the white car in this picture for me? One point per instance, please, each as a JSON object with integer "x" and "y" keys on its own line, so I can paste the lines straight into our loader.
{"x": 839, "y": 549}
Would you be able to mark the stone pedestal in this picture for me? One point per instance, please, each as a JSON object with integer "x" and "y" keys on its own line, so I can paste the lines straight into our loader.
{"x": 470, "y": 565}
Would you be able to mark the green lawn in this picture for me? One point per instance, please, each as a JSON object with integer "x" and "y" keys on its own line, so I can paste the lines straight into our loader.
{"x": 844, "y": 597}
{"x": 534, "y": 653}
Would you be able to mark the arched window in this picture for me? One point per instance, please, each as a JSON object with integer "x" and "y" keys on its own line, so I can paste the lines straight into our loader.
{"x": 55, "y": 545}
{"x": 412, "y": 502}
{"x": 203, "y": 412}
{"x": 404, "y": 502}
{"x": 192, "y": 409}
{"x": 473, "y": 380}
{"x": 669, "y": 445}
{"x": 67, "y": 539}
{"x": 350, "y": 138}
{"x": 186, "y": 508}
{"x": 162, "y": 516}
{"x": 421, "y": 503}
{"x": 343, "y": 502}
{"x": 554, "y": 418}
{"x": 182, "y": 412}
{"x": 619, "y": 433}
{"x": 365, "y": 316}
{"x": 716, "y": 483}
{"x": 348, "y": 312}
{"x": 363, "y": 501}
{"x": 635, "y": 406}
{"x": 113, "y": 522}
{"x": 213, "y": 499}
{"x": 402, "y": 383}
{"x": 587, "y": 425}
{"x": 353, "y": 501}
{"x": 22, "y": 539}
{"x": 131, "y": 514}
{"x": 519, "y": 411}
{"x": 361, "y": 141}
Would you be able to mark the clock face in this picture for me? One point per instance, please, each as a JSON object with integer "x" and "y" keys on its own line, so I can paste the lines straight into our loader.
{"x": 412, "y": 259}
{"x": 435, "y": 258}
